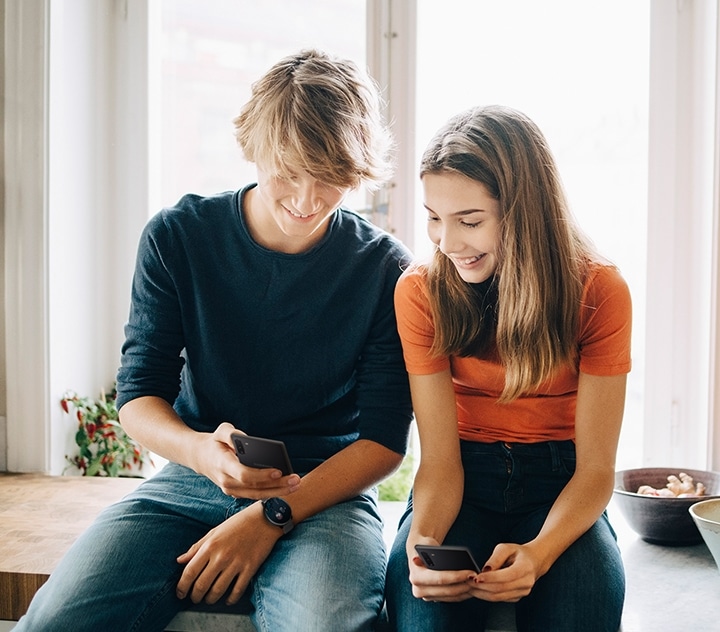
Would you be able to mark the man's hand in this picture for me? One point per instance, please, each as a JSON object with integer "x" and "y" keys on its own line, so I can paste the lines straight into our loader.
{"x": 215, "y": 458}
{"x": 154, "y": 423}
{"x": 228, "y": 556}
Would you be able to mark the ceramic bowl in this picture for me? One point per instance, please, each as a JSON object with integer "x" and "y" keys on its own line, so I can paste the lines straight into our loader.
{"x": 706, "y": 515}
{"x": 657, "y": 519}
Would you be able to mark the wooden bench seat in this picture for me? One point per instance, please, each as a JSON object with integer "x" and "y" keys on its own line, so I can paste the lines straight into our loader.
{"x": 41, "y": 516}
{"x": 668, "y": 588}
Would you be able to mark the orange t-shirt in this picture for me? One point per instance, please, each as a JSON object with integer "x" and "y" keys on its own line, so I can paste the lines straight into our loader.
{"x": 548, "y": 414}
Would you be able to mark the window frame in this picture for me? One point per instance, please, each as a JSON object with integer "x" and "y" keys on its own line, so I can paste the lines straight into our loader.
{"x": 682, "y": 353}
{"x": 682, "y": 399}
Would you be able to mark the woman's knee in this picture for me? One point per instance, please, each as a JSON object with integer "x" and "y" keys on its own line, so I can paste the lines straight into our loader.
{"x": 585, "y": 587}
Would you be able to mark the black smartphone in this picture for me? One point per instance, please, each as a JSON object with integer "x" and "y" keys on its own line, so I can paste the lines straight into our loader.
{"x": 447, "y": 558}
{"x": 261, "y": 453}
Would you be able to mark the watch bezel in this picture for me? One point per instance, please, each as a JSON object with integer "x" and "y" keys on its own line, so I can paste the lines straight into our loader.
{"x": 270, "y": 510}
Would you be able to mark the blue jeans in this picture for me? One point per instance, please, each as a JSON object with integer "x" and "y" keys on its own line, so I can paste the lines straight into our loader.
{"x": 509, "y": 490}
{"x": 120, "y": 575}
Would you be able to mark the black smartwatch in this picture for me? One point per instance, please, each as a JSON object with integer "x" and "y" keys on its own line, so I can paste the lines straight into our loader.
{"x": 278, "y": 513}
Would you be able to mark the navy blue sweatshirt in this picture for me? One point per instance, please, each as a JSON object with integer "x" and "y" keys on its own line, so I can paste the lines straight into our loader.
{"x": 298, "y": 347}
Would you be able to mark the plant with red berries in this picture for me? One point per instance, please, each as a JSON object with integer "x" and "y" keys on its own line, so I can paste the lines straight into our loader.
{"x": 104, "y": 447}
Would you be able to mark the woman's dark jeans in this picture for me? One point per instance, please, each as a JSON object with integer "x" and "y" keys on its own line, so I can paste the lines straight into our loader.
{"x": 509, "y": 490}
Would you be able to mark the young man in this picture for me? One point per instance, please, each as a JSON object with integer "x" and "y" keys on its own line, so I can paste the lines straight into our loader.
{"x": 270, "y": 311}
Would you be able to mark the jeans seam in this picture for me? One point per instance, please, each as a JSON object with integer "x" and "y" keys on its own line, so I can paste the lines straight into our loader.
{"x": 259, "y": 619}
{"x": 151, "y": 604}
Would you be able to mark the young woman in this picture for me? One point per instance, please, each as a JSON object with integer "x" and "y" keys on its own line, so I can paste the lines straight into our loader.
{"x": 267, "y": 310}
{"x": 516, "y": 336}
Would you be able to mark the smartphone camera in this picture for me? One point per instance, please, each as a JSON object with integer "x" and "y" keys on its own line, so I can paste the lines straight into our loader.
{"x": 427, "y": 558}
{"x": 239, "y": 447}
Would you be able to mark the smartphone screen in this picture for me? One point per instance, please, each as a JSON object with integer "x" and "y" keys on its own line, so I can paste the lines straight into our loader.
{"x": 261, "y": 453}
{"x": 447, "y": 558}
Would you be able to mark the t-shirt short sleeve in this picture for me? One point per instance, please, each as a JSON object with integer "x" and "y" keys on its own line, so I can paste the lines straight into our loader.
{"x": 415, "y": 324}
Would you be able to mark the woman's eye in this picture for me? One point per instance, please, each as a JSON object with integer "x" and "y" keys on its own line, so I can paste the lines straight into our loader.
{"x": 471, "y": 224}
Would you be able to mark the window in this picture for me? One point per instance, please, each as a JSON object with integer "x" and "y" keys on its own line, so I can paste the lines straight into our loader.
{"x": 211, "y": 52}
{"x": 79, "y": 219}
{"x": 552, "y": 61}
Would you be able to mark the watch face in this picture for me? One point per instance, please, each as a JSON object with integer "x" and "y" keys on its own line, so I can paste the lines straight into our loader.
{"x": 277, "y": 511}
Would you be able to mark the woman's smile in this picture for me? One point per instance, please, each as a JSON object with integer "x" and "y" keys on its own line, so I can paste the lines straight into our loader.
{"x": 467, "y": 262}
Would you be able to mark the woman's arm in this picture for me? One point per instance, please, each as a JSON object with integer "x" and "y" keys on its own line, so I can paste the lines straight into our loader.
{"x": 438, "y": 485}
{"x": 598, "y": 417}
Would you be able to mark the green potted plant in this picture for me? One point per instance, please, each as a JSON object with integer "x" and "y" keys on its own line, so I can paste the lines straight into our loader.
{"x": 104, "y": 448}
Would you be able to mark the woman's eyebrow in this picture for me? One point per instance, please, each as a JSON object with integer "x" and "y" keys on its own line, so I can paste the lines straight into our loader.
{"x": 464, "y": 212}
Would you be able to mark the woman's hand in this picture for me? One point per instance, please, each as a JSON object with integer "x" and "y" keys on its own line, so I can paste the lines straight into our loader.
{"x": 228, "y": 556}
{"x": 215, "y": 458}
{"x": 509, "y": 574}
{"x": 431, "y": 585}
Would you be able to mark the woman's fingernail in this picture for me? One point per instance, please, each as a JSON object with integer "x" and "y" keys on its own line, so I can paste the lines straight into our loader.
{"x": 486, "y": 568}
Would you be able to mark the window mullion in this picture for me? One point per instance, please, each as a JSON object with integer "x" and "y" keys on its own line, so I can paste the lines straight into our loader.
{"x": 391, "y": 58}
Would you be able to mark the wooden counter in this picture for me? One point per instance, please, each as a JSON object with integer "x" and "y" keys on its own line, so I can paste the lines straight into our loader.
{"x": 40, "y": 517}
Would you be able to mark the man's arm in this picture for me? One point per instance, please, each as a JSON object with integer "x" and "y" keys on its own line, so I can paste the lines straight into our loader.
{"x": 154, "y": 423}
{"x": 230, "y": 554}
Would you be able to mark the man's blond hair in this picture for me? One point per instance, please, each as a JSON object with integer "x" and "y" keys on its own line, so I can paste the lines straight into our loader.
{"x": 317, "y": 113}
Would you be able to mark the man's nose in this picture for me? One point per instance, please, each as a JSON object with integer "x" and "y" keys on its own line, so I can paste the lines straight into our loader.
{"x": 306, "y": 198}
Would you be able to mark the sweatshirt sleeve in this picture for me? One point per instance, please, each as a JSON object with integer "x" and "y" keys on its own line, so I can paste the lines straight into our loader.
{"x": 151, "y": 359}
{"x": 383, "y": 393}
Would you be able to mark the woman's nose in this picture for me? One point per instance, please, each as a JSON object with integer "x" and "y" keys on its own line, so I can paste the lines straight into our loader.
{"x": 449, "y": 241}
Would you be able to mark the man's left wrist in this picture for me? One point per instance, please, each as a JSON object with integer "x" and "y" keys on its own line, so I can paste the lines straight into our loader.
{"x": 278, "y": 513}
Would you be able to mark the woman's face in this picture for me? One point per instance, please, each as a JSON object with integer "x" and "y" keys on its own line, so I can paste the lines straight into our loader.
{"x": 291, "y": 214}
{"x": 464, "y": 223}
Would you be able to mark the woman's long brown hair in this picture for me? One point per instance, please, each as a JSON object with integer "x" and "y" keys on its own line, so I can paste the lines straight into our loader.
{"x": 529, "y": 314}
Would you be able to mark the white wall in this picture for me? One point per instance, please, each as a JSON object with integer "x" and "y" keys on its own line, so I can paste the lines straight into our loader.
{"x": 79, "y": 70}
{"x": 97, "y": 193}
